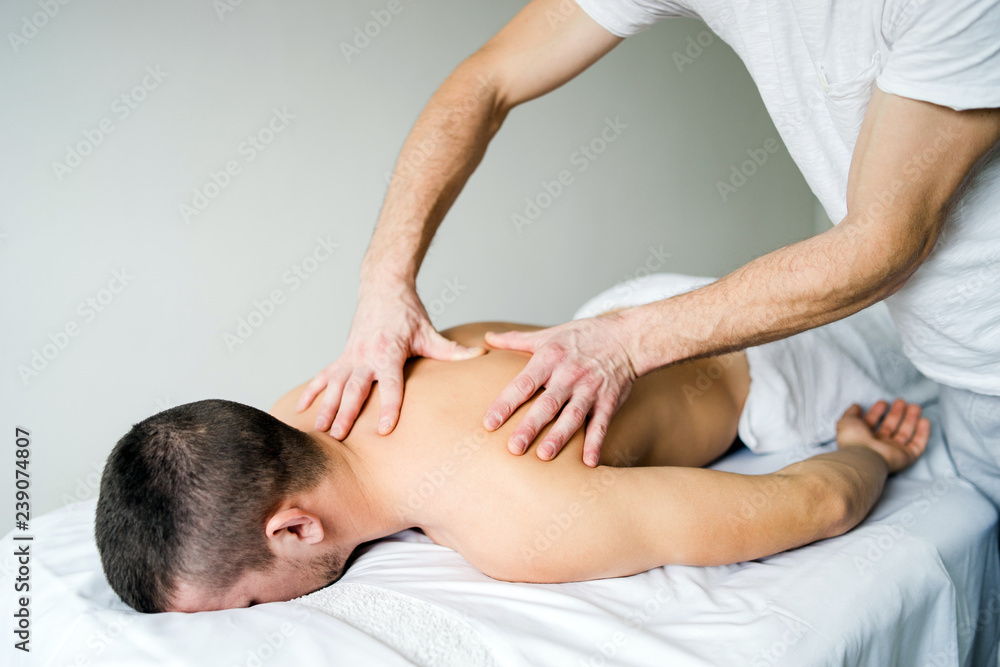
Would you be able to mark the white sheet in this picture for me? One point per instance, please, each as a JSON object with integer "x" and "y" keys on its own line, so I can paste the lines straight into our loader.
{"x": 906, "y": 587}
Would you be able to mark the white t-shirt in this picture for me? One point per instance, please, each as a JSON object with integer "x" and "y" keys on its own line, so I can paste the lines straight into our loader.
{"x": 816, "y": 65}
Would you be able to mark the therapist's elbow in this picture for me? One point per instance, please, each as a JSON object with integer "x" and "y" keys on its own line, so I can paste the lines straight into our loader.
{"x": 479, "y": 81}
{"x": 888, "y": 249}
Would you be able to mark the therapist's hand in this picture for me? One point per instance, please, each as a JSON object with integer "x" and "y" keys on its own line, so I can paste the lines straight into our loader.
{"x": 585, "y": 368}
{"x": 389, "y": 326}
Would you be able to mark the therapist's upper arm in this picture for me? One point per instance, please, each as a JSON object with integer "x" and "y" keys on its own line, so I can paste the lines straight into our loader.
{"x": 910, "y": 160}
{"x": 545, "y": 45}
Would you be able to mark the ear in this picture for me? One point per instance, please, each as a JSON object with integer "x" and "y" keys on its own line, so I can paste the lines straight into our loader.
{"x": 295, "y": 524}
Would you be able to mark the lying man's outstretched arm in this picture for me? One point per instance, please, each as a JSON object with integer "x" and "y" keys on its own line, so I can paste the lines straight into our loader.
{"x": 608, "y": 522}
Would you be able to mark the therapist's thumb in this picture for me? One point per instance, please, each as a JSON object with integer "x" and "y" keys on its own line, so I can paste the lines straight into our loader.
{"x": 438, "y": 347}
{"x": 524, "y": 341}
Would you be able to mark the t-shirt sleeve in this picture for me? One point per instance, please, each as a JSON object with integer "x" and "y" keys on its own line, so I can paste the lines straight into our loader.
{"x": 943, "y": 51}
{"x": 625, "y": 18}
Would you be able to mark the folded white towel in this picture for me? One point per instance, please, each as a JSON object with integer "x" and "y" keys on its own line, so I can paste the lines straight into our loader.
{"x": 423, "y": 633}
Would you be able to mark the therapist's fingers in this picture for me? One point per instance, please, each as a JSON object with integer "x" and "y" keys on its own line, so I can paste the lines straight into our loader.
{"x": 523, "y": 341}
{"x": 355, "y": 393}
{"x": 597, "y": 429}
{"x": 311, "y": 391}
{"x": 520, "y": 389}
{"x": 314, "y": 388}
{"x": 583, "y": 362}
{"x": 390, "y": 394}
{"x": 435, "y": 346}
{"x": 333, "y": 379}
{"x": 542, "y": 411}
{"x": 569, "y": 422}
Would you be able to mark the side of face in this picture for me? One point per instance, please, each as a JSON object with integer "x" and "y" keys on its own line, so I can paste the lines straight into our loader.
{"x": 288, "y": 579}
{"x": 307, "y": 558}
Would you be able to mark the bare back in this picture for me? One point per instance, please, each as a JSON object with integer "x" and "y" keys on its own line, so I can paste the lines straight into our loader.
{"x": 456, "y": 480}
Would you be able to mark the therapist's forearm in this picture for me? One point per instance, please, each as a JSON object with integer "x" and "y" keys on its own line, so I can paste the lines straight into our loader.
{"x": 792, "y": 289}
{"x": 913, "y": 154}
{"x": 443, "y": 149}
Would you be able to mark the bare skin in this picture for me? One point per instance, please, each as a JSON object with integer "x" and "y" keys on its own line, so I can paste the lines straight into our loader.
{"x": 589, "y": 365}
{"x": 647, "y": 503}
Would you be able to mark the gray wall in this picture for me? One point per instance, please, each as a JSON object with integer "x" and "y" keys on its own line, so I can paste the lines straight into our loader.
{"x": 160, "y": 340}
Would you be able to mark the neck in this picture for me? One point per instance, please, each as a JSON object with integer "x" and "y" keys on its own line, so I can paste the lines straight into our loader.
{"x": 350, "y": 501}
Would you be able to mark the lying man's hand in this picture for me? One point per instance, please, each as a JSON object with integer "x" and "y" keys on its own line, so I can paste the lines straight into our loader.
{"x": 390, "y": 326}
{"x": 897, "y": 433}
{"x": 583, "y": 365}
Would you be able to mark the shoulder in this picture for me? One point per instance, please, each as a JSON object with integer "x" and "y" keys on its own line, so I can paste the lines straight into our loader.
{"x": 284, "y": 409}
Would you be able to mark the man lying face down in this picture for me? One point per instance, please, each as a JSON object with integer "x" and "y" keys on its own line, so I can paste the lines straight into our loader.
{"x": 214, "y": 505}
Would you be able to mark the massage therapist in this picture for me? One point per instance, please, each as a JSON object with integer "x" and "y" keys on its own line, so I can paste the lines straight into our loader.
{"x": 889, "y": 109}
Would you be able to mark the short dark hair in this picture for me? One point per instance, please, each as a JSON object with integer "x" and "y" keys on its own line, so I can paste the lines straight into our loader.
{"x": 186, "y": 493}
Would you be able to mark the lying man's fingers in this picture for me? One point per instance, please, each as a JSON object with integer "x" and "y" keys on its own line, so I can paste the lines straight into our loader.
{"x": 875, "y": 413}
{"x": 891, "y": 420}
{"x": 853, "y": 411}
{"x": 919, "y": 429}
{"x": 908, "y": 426}
{"x": 921, "y": 437}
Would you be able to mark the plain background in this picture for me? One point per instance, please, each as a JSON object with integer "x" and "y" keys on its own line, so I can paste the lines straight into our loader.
{"x": 161, "y": 340}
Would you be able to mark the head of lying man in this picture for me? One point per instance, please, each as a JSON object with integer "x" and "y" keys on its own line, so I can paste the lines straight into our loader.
{"x": 214, "y": 505}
